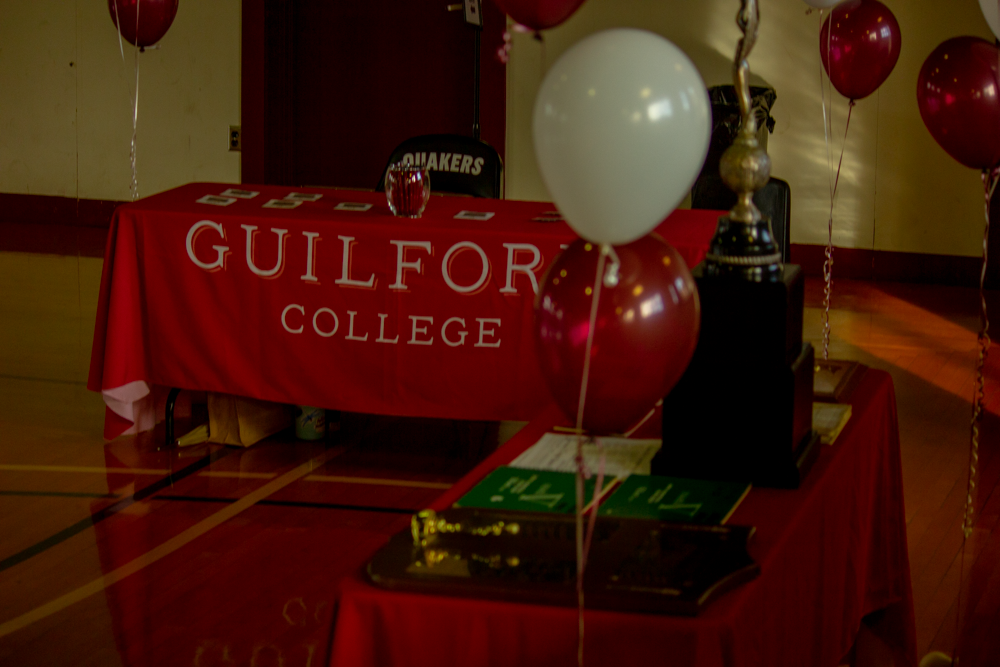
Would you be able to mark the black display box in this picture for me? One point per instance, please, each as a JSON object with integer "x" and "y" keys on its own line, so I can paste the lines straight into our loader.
{"x": 743, "y": 409}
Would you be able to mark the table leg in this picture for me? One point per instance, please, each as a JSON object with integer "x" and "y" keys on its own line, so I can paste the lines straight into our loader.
{"x": 168, "y": 420}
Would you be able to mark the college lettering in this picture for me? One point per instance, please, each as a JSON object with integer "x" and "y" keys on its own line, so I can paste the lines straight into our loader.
{"x": 456, "y": 163}
{"x": 207, "y": 247}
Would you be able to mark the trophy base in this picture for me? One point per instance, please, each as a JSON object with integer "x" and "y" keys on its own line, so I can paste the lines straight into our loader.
{"x": 729, "y": 422}
{"x": 748, "y": 322}
{"x": 743, "y": 409}
{"x": 744, "y": 251}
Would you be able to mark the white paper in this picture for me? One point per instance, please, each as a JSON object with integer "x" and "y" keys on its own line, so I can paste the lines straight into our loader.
{"x": 303, "y": 196}
{"x": 216, "y": 200}
{"x": 474, "y": 215}
{"x": 352, "y": 206}
{"x": 281, "y": 203}
{"x": 236, "y": 192}
{"x": 557, "y": 451}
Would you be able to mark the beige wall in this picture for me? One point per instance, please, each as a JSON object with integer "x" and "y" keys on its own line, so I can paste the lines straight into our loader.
{"x": 898, "y": 189}
{"x": 65, "y": 129}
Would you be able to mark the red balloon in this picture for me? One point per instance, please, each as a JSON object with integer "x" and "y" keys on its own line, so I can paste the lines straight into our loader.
{"x": 539, "y": 14}
{"x": 646, "y": 332}
{"x": 959, "y": 99}
{"x": 863, "y": 47}
{"x": 154, "y": 19}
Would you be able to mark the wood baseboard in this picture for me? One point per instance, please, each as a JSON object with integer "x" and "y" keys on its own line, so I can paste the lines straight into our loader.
{"x": 54, "y": 225}
{"x": 68, "y": 226}
{"x": 893, "y": 266}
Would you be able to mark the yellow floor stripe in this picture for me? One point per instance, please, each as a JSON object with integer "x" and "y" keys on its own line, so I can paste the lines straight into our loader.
{"x": 377, "y": 481}
{"x": 237, "y": 474}
{"x": 232, "y": 474}
{"x": 168, "y": 547}
{"x": 10, "y": 467}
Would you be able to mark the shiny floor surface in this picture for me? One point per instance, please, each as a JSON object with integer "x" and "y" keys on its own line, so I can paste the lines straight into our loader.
{"x": 125, "y": 553}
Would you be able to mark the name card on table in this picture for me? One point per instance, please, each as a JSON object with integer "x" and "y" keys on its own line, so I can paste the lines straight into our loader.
{"x": 303, "y": 196}
{"x": 474, "y": 215}
{"x": 351, "y": 206}
{"x": 216, "y": 200}
{"x": 240, "y": 194}
{"x": 281, "y": 203}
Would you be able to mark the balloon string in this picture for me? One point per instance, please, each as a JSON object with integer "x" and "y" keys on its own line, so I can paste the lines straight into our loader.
{"x": 827, "y": 118}
{"x": 990, "y": 178}
{"x": 580, "y": 472}
{"x": 827, "y": 131}
{"x": 133, "y": 97}
{"x": 598, "y": 485}
{"x": 581, "y": 557}
{"x": 134, "y": 184}
{"x": 828, "y": 264}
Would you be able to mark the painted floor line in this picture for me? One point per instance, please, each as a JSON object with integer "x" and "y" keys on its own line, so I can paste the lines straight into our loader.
{"x": 377, "y": 481}
{"x": 58, "y": 494}
{"x": 229, "y": 474}
{"x": 295, "y": 503}
{"x": 168, "y": 547}
{"x": 102, "y": 514}
{"x": 11, "y": 467}
{"x": 237, "y": 474}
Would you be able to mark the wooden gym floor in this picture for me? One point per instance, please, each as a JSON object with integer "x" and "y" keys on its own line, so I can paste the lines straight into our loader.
{"x": 123, "y": 553}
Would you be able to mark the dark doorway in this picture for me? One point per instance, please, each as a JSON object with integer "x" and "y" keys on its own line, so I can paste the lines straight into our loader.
{"x": 329, "y": 88}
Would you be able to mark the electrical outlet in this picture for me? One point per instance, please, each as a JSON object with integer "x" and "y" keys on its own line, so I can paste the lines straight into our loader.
{"x": 234, "y": 138}
{"x": 472, "y": 13}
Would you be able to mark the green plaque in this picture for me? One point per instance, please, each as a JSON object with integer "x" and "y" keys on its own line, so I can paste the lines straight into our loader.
{"x": 525, "y": 490}
{"x": 675, "y": 499}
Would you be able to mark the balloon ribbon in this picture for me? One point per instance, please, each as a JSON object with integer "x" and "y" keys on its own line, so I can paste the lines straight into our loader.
{"x": 606, "y": 275}
{"x": 133, "y": 97}
{"x": 990, "y": 178}
{"x": 828, "y": 262}
{"x": 827, "y": 129}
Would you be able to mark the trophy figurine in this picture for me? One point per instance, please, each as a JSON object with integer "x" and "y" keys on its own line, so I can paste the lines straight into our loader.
{"x": 743, "y": 409}
{"x": 743, "y": 245}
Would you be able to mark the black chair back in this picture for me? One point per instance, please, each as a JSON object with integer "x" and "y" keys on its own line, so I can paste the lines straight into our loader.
{"x": 460, "y": 165}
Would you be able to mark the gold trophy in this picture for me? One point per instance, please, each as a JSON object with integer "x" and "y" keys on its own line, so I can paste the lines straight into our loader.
{"x": 744, "y": 245}
{"x": 743, "y": 409}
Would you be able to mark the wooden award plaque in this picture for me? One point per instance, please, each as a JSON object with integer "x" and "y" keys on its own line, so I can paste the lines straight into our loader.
{"x": 834, "y": 380}
{"x": 634, "y": 565}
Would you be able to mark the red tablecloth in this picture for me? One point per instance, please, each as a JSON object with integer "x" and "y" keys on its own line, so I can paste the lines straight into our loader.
{"x": 830, "y": 553}
{"x": 348, "y": 309}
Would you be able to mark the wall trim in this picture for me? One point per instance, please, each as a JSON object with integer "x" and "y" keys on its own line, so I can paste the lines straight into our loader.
{"x": 895, "y": 266}
{"x": 54, "y": 225}
{"x": 70, "y": 226}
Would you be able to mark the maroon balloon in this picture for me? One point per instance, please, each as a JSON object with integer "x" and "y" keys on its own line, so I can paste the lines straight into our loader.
{"x": 959, "y": 99}
{"x": 647, "y": 328}
{"x": 861, "y": 49}
{"x": 539, "y": 14}
{"x": 154, "y": 19}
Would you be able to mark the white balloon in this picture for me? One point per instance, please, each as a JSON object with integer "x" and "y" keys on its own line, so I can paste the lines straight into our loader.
{"x": 621, "y": 125}
{"x": 823, "y": 4}
{"x": 991, "y": 15}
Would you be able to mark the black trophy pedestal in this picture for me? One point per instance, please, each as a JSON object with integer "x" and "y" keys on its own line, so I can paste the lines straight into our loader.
{"x": 743, "y": 409}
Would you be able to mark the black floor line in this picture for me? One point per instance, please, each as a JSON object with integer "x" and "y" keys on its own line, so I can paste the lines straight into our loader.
{"x": 101, "y": 515}
{"x": 293, "y": 503}
{"x": 59, "y": 494}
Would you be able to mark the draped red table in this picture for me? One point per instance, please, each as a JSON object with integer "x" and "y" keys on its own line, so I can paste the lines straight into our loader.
{"x": 333, "y": 303}
{"x": 831, "y": 553}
